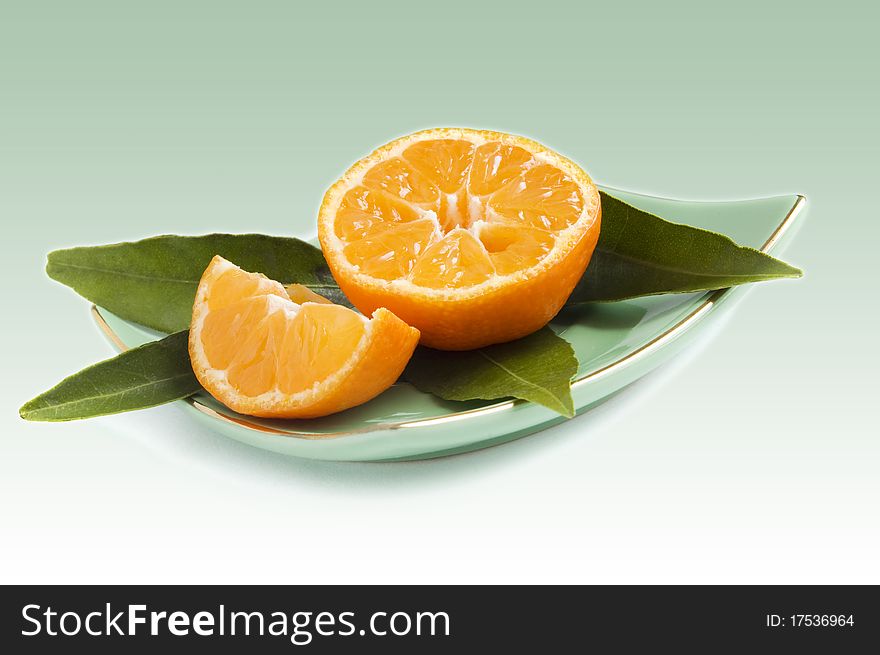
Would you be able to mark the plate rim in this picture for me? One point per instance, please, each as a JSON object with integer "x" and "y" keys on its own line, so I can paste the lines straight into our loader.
{"x": 711, "y": 299}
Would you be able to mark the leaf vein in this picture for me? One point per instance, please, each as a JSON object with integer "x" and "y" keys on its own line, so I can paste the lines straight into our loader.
{"x": 515, "y": 376}
{"x": 673, "y": 269}
{"x": 122, "y": 273}
{"x": 104, "y": 396}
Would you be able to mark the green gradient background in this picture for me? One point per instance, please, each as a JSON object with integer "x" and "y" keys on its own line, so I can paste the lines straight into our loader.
{"x": 753, "y": 460}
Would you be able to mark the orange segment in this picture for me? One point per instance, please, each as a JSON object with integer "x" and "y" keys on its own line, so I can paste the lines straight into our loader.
{"x": 401, "y": 180}
{"x": 319, "y": 340}
{"x": 458, "y": 260}
{"x": 498, "y": 231}
{"x": 362, "y": 209}
{"x": 230, "y": 288}
{"x": 226, "y": 330}
{"x": 257, "y": 347}
{"x": 389, "y": 251}
{"x": 512, "y": 248}
{"x": 543, "y": 197}
{"x": 445, "y": 162}
{"x": 495, "y": 164}
{"x": 260, "y": 353}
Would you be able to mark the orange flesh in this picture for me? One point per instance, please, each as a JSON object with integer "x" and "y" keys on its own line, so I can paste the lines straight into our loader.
{"x": 264, "y": 341}
{"x": 449, "y": 214}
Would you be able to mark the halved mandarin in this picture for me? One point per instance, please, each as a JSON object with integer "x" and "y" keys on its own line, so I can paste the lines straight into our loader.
{"x": 473, "y": 237}
{"x": 264, "y": 350}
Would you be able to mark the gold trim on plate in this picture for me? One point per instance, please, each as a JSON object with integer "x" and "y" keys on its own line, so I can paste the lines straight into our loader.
{"x": 650, "y": 346}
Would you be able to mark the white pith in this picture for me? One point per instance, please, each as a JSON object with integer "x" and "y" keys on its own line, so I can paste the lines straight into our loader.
{"x": 564, "y": 240}
{"x": 217, "y": 378}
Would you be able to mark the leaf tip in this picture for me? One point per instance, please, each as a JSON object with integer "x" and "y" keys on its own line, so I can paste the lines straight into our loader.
{"x": 26, "y": 411}
{"x": 787, "y": 271}
{"x": 561, "y": 404}
{"x": 52, "y": 269}
{"x": 568, "y": 410}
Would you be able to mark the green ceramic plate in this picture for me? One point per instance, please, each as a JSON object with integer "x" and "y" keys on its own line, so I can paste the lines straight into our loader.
{"x": 616, "y": 343}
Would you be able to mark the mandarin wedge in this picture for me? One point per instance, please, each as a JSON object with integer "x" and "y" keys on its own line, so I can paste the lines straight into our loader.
{"x": 473, "y": 237}
{"x": 260, "y": 353}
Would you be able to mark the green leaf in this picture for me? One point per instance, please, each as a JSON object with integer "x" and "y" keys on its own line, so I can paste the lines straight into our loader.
{"x": 538, "y": 368}
{"x": 152, "y": 374}
{"x": 153, "y": 282}
{"x": 640, "y": 254}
